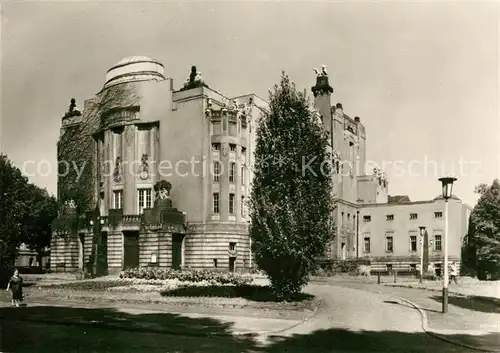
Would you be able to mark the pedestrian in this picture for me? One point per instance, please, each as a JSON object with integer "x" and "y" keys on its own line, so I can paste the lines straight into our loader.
{"x": 16, "y": 286}
{"x": 453, "y": 272}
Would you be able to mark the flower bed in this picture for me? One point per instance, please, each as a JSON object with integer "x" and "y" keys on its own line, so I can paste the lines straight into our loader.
{"x": 196, "y": 276}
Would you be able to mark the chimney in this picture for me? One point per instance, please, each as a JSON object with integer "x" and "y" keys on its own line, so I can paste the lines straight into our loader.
{"x": 357, "y": 119}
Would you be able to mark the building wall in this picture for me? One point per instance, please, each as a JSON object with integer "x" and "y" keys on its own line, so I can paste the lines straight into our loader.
{"x": 403, "y": 226}
{"x": 146, "y": 116}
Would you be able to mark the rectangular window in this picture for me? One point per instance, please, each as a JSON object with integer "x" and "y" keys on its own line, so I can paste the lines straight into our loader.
{"x": 231, "y": 203}
{"x": 216, "y": 202}
{"x": 216, "y": 146}
{"x": 366, "y": 247}
{"x": 242, "y": 171}
{"x": 243, "y": 152}
{"x": 216, "y": 175}
{"x": 118, "y": 199}
{"x": 413, "y": 216}
{"x": 413, "y": 267}
{"x": 367, "y": 218}
{"x": 144, "y": 199}
{"x": 243, "y": 206}
{"x": 232, "y": 246}
{"x": 389, "y": 244}
{"x": 413, "y": 243}
{"x": 437, "y": 242}
{"x": 438, "y": 214}
{"x": 388, "y": 267}
{"x": 215, "y": 263}
{"x": 232, "y": 147}
{"x": 390, "y": 217}
{"x": 232, "y": 172}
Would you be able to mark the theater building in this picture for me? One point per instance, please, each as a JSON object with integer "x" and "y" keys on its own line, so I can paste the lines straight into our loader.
{"x": 162, "y": 176}
{"x": 166, "y": 174}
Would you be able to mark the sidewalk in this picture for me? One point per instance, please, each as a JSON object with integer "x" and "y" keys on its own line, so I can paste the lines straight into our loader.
{"x": 484, "y": 291}
{"x": 480, "y": 322}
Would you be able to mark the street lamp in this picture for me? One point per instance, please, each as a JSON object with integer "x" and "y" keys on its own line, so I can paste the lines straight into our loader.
{"x": 422, "y": 234}
{"x": 447, "y": 187}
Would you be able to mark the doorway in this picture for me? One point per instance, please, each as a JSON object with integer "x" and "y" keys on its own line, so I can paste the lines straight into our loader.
{"x": 177, "y": 253}
{"x": 232, "y": 264}
{"x": 102, "y": 254}
{"x": 130, "y": 249}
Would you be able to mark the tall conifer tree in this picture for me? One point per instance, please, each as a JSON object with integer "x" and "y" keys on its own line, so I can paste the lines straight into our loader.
{"x": 291, "y": 205}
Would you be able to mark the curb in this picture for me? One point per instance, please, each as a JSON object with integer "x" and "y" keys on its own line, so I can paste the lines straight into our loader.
{"x": 425, "y": 323}
{"x": 425, "y": 327}
{"x": 313, "y": 314}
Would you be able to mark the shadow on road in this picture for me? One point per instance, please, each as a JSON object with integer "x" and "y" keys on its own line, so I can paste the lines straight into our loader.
{"x": 64, "y": 329}
{"x": 472, "y": 303}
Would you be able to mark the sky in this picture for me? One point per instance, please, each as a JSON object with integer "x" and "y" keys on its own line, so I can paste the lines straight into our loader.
{"x": 423, "y": 77}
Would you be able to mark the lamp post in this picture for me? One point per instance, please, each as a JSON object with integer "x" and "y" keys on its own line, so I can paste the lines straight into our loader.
{"x": 422, "y": 235}
{"x": 357, "y": 234}
{"x": 447, "y": 188}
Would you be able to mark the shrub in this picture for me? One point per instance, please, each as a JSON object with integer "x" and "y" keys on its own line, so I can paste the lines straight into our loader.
{"x": 191, "y": 275}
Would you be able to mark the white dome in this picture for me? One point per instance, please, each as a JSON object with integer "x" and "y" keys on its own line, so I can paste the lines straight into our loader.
{"x": 134, "y": 68}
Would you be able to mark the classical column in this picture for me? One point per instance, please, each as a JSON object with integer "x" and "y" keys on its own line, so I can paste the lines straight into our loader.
{"x": 129, "y": 190}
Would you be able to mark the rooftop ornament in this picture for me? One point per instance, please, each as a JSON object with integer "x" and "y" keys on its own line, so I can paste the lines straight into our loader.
{"x": 73, "y": 110}
{"x": 322, "y": 86}
{"x": 195, "y": 80}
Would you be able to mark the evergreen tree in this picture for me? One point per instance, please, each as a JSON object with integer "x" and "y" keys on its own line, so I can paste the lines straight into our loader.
{"x": 291, "y": 205}
{"x": 483, "y": 245}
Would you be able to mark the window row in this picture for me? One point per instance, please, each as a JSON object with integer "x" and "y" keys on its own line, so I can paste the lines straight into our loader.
{"x": 217, "y": 172}
{"x": 144, "y": 199}
{"x": 389, "y": 244}
{"x": 390, "y": 217}
{"x": 232, "y": 204}
{"x": 232, "y": 148}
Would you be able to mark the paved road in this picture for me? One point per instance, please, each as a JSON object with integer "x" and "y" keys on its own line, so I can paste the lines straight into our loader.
{"x": 350, "y": 320}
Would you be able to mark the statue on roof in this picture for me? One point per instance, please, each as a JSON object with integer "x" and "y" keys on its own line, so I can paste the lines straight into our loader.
{"x": 72, "y": 110}
{"x": 322, "y": 86}
{"x": 323, "y": 72}
{"x": 195, "y": 80}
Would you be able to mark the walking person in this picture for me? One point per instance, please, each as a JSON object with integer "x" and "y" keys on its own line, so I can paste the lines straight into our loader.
{"x": 453, "y": 272}
{"x": 16, "y": 286}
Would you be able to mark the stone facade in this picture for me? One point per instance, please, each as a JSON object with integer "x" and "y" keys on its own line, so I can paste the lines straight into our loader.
{"x": 144, "y": 133}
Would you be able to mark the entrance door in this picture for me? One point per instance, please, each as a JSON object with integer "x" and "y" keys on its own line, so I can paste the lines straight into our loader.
{"x": 130, "y": 249}
{"x": 232, "y": 263}
{"x": 344, "y": 250}
{"x": 102, "y": 254}
{"x": 177, "y": 251}
{"x": 81, "y": 247}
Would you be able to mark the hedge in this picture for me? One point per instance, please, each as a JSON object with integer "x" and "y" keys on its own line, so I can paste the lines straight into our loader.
{"x": 187, "y": 275}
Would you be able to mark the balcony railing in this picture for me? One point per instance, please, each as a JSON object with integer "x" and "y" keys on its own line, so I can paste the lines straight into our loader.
{"x": 131, "y": 219}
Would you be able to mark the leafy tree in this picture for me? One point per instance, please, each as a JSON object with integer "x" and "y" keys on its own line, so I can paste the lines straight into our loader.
{"x": 43, "y": 210}
{"x": 482, "y": 248}
{"x": 26, "y": 212}
{"x": 13, "y": 209}
{"x": 291, "y": 207}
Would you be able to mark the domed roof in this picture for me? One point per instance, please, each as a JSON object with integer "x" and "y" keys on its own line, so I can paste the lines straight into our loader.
{"x": 135, "y": 59}
{"x": 134, "y": 68}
